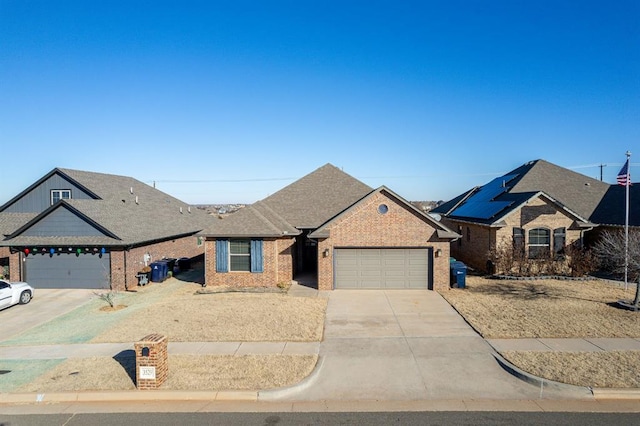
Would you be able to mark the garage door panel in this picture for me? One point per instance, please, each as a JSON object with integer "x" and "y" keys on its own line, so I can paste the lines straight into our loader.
{"x": 382, "y": 268}
{"x": 69, "y": 271}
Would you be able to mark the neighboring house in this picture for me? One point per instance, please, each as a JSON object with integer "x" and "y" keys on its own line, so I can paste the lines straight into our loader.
{"x": 77, "y": 229}
{"x": 539, "y": 206}
{"x": 334, "y": 228}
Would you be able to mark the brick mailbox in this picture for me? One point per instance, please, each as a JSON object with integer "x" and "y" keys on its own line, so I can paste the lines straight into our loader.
{"x": 152, "y": 361}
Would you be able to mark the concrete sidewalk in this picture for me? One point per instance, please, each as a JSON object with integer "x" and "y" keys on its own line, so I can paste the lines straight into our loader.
{"x": 85, "y": 350}
{"x": 592, "y": 344}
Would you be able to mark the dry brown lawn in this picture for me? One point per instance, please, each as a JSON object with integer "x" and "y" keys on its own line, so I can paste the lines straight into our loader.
{"x": 555, "y": 309}
{"x": 618, "y": 369}
{"x": 186, "y": 372}
{"x": 189, "y": 316}
{"x": 500, "y": 309}
{"x": 185, "y": 312}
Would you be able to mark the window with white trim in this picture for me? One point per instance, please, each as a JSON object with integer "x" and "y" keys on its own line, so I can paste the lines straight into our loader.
{"x": 240, "y": 255}
{"x": 539, "y": 243}
{"x": 60, "y": 194}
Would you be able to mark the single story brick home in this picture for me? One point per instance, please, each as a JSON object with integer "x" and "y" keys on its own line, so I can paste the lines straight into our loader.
{"x": 330, "y": 226}
{"x": 539, "y": 206}
{"x": 78, "y": 229}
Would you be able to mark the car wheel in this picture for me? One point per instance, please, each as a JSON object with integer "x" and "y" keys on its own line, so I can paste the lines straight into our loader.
{"x": 25, "y": 297}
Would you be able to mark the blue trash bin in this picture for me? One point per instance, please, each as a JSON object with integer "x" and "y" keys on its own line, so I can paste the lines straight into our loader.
{"x": 156, "y": 272}
{"x": 164, "y": 269}
{"x": 458, "y": 274}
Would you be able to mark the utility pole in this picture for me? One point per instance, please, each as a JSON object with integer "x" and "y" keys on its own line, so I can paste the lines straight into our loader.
{"x": 601, "y": 167}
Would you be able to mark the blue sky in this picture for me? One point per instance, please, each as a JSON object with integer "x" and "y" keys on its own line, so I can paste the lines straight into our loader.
{"x": 230, "y": 101}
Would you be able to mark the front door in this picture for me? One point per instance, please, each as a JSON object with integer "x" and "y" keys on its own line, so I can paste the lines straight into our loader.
{"x": 306, "y": 250}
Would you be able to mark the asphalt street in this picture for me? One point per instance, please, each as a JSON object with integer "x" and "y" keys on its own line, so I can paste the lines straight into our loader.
{"x": 478, "y": 418}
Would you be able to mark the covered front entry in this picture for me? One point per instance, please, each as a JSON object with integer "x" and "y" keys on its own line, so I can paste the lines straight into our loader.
{"x": 68, "y": 270}
{"x": 371, "y": 268}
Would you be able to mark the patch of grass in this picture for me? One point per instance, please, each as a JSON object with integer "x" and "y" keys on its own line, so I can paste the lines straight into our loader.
{"x": 19, "y": 372}
{"x": 186, "y": 372}
{"x": 246, "y": 317}
{"x": 544, "y": 308}
{"x": 615, "y": 369}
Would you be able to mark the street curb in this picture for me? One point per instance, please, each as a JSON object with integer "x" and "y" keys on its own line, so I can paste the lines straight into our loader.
{"x": 597, "y": 393}
{"x": 287, "y": 392}
{"x": 619, "y": 393}
{"x": 539, "y": 381}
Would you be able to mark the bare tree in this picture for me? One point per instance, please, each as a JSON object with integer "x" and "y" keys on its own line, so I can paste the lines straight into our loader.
{"x": 610, "y": 249}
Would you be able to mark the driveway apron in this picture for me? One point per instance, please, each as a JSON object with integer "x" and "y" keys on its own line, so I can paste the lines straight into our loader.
{"x": 407, "y": 345}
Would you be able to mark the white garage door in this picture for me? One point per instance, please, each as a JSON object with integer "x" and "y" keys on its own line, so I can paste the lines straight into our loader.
{"x": 382, "y": 268}
{"x": 68, "y": 270}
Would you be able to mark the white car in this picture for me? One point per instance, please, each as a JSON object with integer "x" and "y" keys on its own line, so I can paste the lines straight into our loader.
{"x": 12, "y": 293}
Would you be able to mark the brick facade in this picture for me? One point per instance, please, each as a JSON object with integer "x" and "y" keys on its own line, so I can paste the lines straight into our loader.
{"x": 364, "y": 226}
{"x": 132, "y": 261}
{"x": 278, "y": 266}
{"x": 477, "y": 240}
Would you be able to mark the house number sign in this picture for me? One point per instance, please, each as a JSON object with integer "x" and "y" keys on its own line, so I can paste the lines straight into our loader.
{"x": 147, "y": 372}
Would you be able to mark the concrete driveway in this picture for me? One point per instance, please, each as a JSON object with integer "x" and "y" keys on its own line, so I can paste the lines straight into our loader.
{"x": 406, "y": 345}
{"x": 46, "y": 305}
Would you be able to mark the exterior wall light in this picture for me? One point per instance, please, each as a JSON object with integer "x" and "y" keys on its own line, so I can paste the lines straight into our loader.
{"x": 438, "y": 252}
{"x": 325, "y": 253}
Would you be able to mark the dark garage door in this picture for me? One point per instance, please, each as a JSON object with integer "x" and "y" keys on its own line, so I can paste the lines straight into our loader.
{"x": 382, "y": 268}
{"x": 68, "y": 271}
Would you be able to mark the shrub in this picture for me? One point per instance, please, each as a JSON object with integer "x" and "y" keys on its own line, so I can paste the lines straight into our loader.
{"x": 108, "y": 296}
{"x": 571, "y": 261}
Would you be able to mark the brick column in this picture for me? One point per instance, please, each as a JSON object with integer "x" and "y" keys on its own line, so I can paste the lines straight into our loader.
{"x": 152, "y": 361}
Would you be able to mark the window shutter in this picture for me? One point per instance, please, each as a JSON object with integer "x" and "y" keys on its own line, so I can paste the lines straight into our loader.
{"x": 559, "y": 239}
{"x": 256, "y": 256}
{"x": 222, "y": 256}
{"x": 518, "y": 238}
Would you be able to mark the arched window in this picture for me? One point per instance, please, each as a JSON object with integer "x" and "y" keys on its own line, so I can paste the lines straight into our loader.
{"x": 539, "y": 243}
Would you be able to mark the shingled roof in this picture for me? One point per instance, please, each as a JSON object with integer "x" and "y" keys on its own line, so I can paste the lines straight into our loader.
{"x": 579, "y": 192}
{"x": 128, "y": 212}
{"x": 305, "y": 204}
{"x": 572, "y": 191}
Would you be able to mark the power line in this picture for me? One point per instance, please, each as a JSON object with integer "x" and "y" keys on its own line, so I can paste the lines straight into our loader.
{"x": 275, "y": 179}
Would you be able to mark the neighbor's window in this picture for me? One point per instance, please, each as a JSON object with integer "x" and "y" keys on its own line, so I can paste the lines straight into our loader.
{"x": 60, "y": 194}
{"x": 518, "y": 239}
{"x": 240, "y": 255}
{"x": 539, "y": 243}
{"x": 559, "y": 239}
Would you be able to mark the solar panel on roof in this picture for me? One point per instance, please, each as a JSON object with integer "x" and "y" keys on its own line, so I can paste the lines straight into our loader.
{"x": 492, "y": 189}
{"x": 481, "y": 210}
{"x": 481, "y": 205}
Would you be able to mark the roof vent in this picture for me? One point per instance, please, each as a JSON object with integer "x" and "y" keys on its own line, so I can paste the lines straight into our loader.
{"x": 189, "y": 209}
{"x": 131, "y": 190}
{"x": 587, "y": 184}
{"x": 137, "y": 200}
{"x": 180, "y": 209}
